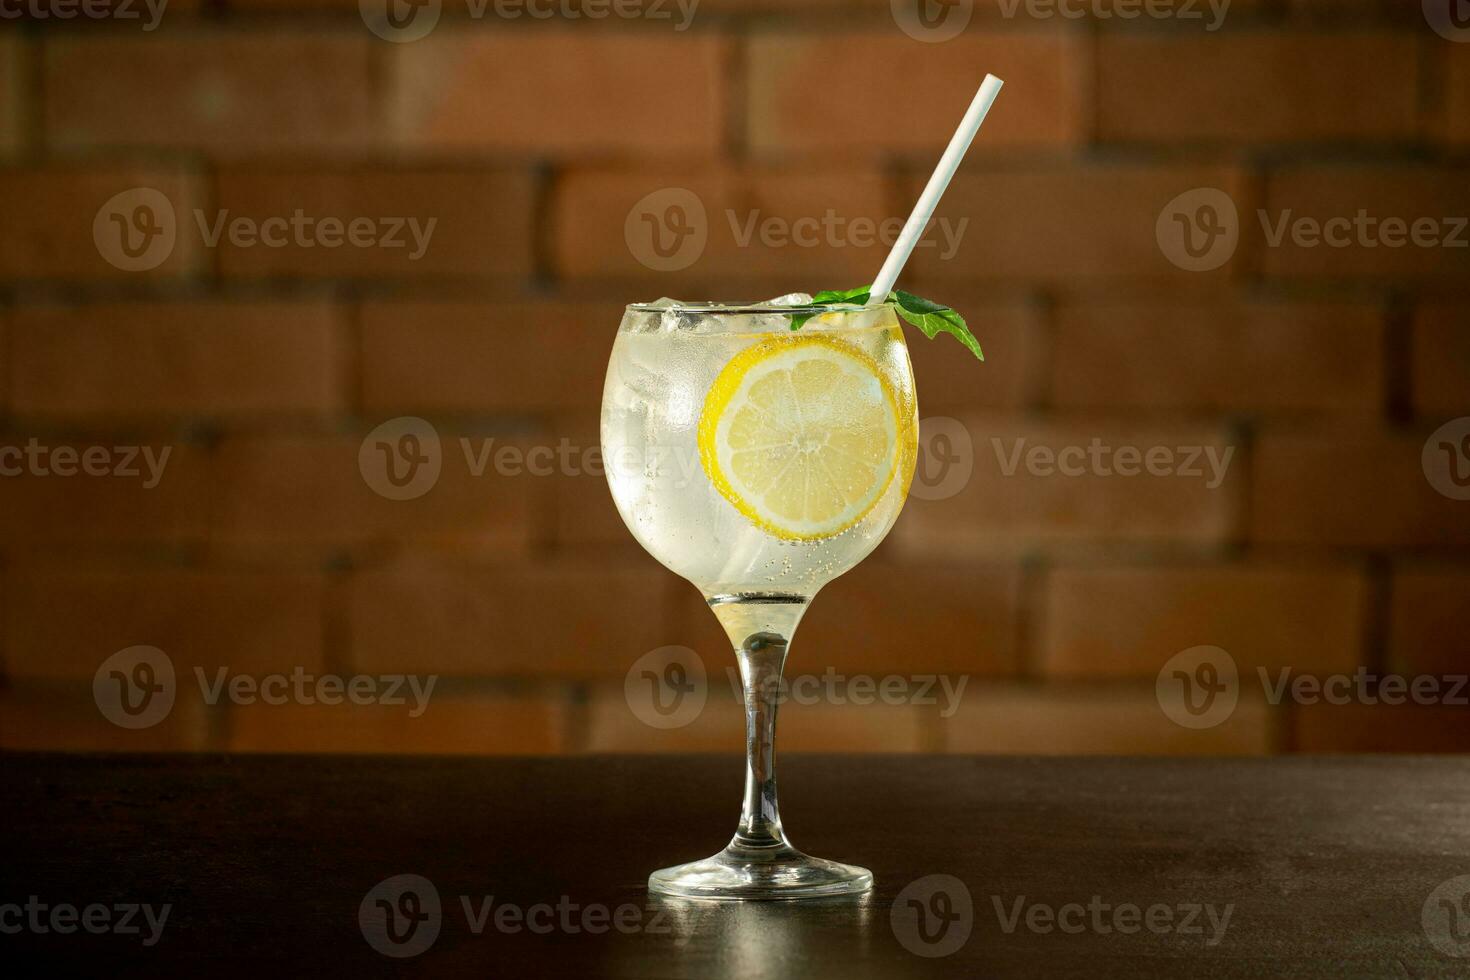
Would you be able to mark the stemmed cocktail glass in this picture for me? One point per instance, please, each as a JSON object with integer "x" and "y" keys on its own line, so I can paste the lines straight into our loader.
{"x": 759, "y": 463}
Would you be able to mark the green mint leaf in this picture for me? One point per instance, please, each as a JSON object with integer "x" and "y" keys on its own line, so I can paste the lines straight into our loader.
{"x": 935, "y": 318}
{"x": 858, "y": 295}
{"x": 930, "y": 317}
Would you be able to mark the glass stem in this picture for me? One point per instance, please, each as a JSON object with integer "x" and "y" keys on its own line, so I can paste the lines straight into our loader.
{"x": 762, "y": 657}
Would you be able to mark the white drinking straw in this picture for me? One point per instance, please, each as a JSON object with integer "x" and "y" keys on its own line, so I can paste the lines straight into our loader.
{"x": 929, "y": 200}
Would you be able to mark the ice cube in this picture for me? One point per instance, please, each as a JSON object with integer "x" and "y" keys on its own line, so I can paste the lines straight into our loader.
{"x": 676, "y": 318}
{"x": 776, "y": 321}
{"x": 791, "y": 299}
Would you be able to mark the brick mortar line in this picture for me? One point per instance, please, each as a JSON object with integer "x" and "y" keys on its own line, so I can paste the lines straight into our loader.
{"x": 736, "y": 75}
{"x": 1377, "y": 613}
{"x": 1431, "y": 76}
{"x": 576, "y": 720}
{"x": 336, "y": 621}
{"x": 796, "y": 18}
{"x": 219, "y": 724}
{"x": 1397, "y": 322}
{"x": 350, "y": 373}
{"x": 1037, "y": 396}
{"x": 1267, "y": 157}
{"x": 32, "y": 103}
{"x": 545, "y": 177}
{"x": 1090, "y": 125}
{"x": 1281, "y": 730}
{"x": 1031, "y": 590}
{"x": 7, "y": 366}
{"x": 1236, "y": 545}
{"x": 7, "y": 563}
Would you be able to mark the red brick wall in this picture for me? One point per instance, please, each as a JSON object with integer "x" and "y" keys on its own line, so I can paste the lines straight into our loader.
{"x": 1323, "y": 368}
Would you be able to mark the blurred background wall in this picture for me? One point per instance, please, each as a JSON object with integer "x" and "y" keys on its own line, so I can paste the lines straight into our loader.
{"x": 1131, "y": 238}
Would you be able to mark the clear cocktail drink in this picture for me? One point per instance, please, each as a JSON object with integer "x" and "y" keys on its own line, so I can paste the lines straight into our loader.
{"x": 759, "y": 463}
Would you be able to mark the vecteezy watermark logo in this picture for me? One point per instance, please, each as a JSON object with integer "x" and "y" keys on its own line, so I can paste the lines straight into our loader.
{"x": 1102, "y": 918}
{"x": 946, "y": 459}
{"x": 135, "y": 688}
{"x": 400, "y": 21}
{"x": 302, "y": 687}
{"x": 401, "y": 459}
{"x": 667, "y": 687}
{"x": 567, "y": 916}
{"x": 932, "y": 20}
{"x": 1110, "y": 9}
{"x": 311, "y": 231}
{"x": 1198, "y": 687}
{"x": 1364, "y": 230}
{"x": 36, "y": 460}
{"x": 1446, "y": 459}
{"x": 401, "y": 916}
{"x": 121, "y": 919}
{"x": 831, "y": 687}
{"x": 1445, "y": 917}
{"x": 1199, "y": 230}
{"x": 1098, "y": 458}
{"x": 667, "y": 230}
{"x": 89, "y": 9}
{"x": 933, "y": 916}
{"x": 410, "y": 20}
{"x": 832, "y": 230}
{"x": 135, "y": 230}
{"x": 1365, "y": 687}
{"x": 1449, "y": 18}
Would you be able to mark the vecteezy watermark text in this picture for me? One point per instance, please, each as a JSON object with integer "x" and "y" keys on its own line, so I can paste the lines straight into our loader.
{"x": 402, "y": 916}
{"x": 137, "y": 230}
{"x": 668, "y": 688}
{"x": 668, "y": 229}
{"x": 933, "y": 916}
{"x": 1100, "y": 459}
{"x": 149, "y": 11}
{"x": 401, "y": 21}
{"x": 64, "y": 918}
{"x": 123, "y": 462}
{"x": 1185, "y": 10}
{"x": 403, "y": 458}
{"x": 307, "y": 231}
{"x": 137, "y": 687}
{"x": 1200, "y": 230}
{"x": 1201, "y": 687}
{"x": 1363, "y": 229}
{"x": 1101, "y": 918}
{"x": 831, "y": 687}
{"x": 832, "y": 230}
{"x": 302, "y": 687}
{"x": 1364, "y": 686}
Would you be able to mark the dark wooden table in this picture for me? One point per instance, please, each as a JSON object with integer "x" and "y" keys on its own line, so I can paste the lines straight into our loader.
{"x": 1327, "y": 866}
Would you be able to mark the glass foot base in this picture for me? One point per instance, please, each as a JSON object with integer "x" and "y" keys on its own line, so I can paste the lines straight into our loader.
{"x": 760, "y": 873}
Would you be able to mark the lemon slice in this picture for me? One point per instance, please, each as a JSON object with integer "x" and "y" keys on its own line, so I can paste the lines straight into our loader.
{"x": 802, "y": 435}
